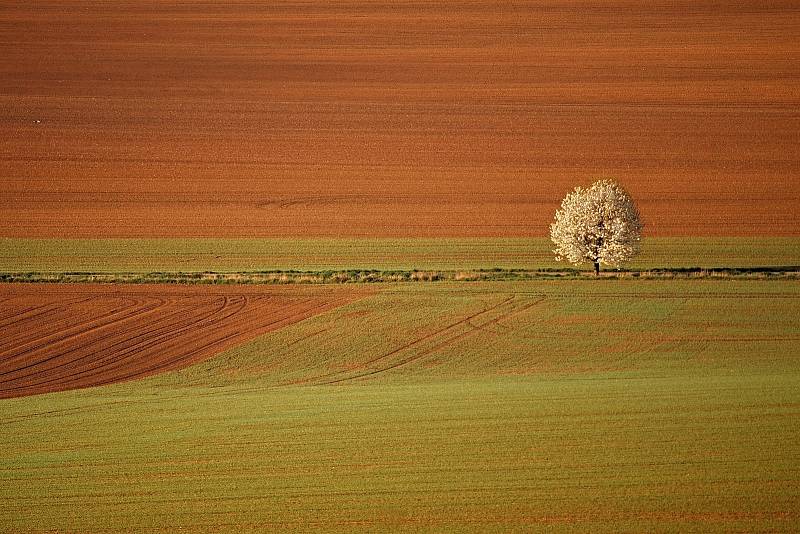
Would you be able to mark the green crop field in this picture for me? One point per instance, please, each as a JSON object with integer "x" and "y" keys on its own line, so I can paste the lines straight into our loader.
{"x": 241, "y": 255}
{"x": 572, "y": 405}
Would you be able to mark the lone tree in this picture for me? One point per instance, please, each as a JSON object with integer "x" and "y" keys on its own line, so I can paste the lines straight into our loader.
{"x": 598, "y": 225}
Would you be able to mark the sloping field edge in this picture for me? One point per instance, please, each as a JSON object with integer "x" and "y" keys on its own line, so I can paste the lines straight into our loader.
{"x": 144, "y": 337}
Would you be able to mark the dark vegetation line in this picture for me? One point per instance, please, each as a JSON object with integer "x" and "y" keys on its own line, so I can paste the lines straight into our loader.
{"x": 365, "y": 276}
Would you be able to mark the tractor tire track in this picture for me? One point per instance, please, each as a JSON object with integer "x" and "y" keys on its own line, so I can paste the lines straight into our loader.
{"x": 152, "y": 337}
{"x": 448, "y": 342}
{"x": 406, "y": 346}
{"x": 89, "y": 335}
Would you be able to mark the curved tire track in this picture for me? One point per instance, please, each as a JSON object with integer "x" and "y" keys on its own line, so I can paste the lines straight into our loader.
{"x": 335, "y": 377}
{"x": 91, "y": 335}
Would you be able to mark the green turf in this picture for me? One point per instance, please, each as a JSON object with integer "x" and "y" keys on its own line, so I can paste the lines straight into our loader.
{"x": 225, "y": 255}
{"x": 579, "y": 406}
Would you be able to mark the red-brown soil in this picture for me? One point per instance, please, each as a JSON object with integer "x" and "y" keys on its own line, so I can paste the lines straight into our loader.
{"x": 466, "y": 118}
{"x": 59, "y": 337}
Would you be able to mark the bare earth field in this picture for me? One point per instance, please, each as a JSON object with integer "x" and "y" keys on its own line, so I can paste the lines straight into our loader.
{"x": 59, "y": 337}
{"x": 394, "y": 118}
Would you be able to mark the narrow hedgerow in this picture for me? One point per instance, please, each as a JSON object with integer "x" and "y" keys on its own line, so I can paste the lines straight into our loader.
{"x": 368, "y": 276}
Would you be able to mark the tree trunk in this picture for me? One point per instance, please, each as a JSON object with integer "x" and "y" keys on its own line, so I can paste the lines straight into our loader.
{"x": 601, "y": 226}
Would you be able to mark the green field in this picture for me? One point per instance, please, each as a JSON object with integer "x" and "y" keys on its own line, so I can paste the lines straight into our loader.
{"x": 582, "y": 406}
{"x": 241, "y": 255}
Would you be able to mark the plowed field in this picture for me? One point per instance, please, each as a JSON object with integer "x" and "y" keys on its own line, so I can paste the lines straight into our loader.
{"x": 55, "y": 338}
{"x": 465, "y": 118}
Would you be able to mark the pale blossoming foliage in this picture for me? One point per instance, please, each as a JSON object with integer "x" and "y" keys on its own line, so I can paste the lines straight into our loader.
{"x": 597, "y": 225}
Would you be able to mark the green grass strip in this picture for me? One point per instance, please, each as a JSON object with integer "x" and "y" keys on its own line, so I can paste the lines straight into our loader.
{"x": 384, "y": 254}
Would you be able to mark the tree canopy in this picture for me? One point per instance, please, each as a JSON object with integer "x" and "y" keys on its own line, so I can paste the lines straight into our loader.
{"x": 598, "y": 225}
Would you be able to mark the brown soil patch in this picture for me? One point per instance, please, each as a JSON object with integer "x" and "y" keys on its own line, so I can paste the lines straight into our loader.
{"x": 322, "y": 118}
{"x": 54, "y": 338}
